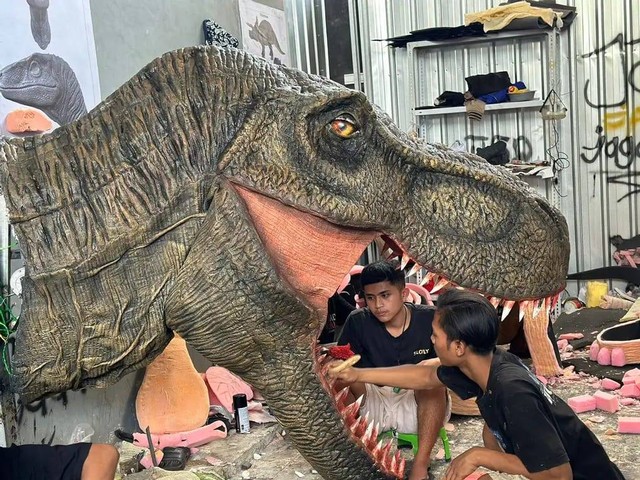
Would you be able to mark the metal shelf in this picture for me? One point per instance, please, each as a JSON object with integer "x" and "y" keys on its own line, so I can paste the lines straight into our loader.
{"x": 489, "y": 38}
{"x": 431, "y": 112}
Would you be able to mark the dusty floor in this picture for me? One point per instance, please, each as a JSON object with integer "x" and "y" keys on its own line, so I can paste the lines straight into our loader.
{"x": 265, "y": 454}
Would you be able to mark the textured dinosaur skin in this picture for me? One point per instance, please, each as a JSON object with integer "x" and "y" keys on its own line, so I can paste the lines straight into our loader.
{"x": 211, "y": 196}
{"x": 46, "y": 82}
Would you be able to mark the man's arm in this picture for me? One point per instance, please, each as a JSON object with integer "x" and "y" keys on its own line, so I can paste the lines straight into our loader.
{"x": 422, "y": 376}
{"x": 476, "y": 457}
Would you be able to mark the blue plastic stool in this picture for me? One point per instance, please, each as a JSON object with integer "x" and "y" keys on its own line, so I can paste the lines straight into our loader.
{"x": 412, "y": 439}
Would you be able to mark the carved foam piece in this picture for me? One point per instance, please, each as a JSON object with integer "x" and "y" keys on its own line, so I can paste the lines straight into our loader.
{"x": 606, "y": 401}
{"x": 535, "y": 325}
{"x": 629, "y": 425}
{"x": 594, "y": 349}
{"x": 224, "y": 385}
{"x": 172, "y": 398}
{"x": 26, "y": 120}
{"x": 193, "y": 438}
{"x": 582, "y": 403}
{"x": 609, "y": 384}
{"x": 630, "y": 390}
{"x": 604, "y": 356}
{"x": 623, "y": 341}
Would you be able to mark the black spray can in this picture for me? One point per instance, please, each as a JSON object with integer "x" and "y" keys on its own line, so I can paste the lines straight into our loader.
{"x": 241, "y": 413}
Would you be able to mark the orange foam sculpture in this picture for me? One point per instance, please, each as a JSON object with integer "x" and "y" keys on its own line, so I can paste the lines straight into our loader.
{"x": 27, "y": 120}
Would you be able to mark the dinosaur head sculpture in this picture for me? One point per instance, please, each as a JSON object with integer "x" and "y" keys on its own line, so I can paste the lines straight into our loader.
{"x": 224, "y": 198}
{"x": 47, "y": 82}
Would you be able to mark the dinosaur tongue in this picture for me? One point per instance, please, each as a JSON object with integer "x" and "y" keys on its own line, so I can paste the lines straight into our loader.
{"x": 300, "y": 243}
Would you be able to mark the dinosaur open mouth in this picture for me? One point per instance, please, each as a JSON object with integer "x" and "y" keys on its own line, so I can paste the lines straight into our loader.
{"x": 312, "y": 256}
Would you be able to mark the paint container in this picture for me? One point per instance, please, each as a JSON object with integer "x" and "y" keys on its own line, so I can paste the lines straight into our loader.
{"x": 572, "y": 304}
{"x": 241, "y": 413}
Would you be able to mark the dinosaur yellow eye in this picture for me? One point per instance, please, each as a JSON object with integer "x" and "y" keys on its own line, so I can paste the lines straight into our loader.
{"x": 343, "y": 126}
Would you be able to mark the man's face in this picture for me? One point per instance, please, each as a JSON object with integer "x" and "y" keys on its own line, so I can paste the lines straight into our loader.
{"x": 384, "y": 299}
{"x": 444, "y": 349}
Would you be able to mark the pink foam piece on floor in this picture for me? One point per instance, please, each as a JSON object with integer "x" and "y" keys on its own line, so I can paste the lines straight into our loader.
{"x": 571, "y": 336}
{"x": 607, "y": 402}
{"x": 618, "y": 358}
{"x": 562, "y": 344}
{"x": 476, "y": 476}
{"x": 629, "y": 425}
{"x": 629, "y": 380}
{"x": 582, "y": 403}
{"x": 609, "y": 384}
{"x": 630, "y": 390}
{"x": 542, "y": 379}
{"x": 594, "y": 349}
{"x": 626, "y": 401}
{"x": 224, "y": 385}
{"x": 634, "y": 372}
{"x": 604, "y": 356}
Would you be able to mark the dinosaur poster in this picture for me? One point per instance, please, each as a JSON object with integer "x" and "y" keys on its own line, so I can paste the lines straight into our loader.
{"x": 48, "y": 64}
{"x": 264, "y": 31}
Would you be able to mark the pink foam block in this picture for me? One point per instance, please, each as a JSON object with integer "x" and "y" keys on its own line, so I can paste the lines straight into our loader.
{"x": 609, "y": 384}
{"x": 582, "y": 403}
{"x": 571, "y": 336}
{"x": 604, "y": 356}
{"x": 594, "y": 349}
{"x": 630, "y": 390}
{"x": 562, "y": 344}
{"x": 628, "y": 380}
{"x": 607, "y": 402}
{"x": 627, "y": 401}
{"x": 618, "y": 358}
{"x": 629, "y": 425}
{"x": 634, "y": 372}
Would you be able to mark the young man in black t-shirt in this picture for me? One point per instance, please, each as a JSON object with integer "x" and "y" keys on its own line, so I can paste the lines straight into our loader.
{"x": 528, "y": 430}
{"x": 389, "y": 332}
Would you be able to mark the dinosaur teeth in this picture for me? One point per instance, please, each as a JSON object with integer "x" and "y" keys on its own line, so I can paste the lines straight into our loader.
{"x": 537, "y": 306}
{"x": 440, "y": 285}
{"x": 351, "y": 411}
{"x": 405, "y": 260}
{"x": 359, "y": 427}
{"x": 427, "y": 278}
{"x": 506, "y": 308}
{"x": 401, "y": 468}
{"x": 341, "y": 396}
{"x": 495, "y": 301}
{"x": 415, "y": 269}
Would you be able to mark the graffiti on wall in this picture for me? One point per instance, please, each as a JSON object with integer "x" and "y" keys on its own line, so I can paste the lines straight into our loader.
{"x": 620, "y": 154}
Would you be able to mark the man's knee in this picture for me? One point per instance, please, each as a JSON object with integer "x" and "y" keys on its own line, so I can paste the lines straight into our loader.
{"x": 431, "y": 395}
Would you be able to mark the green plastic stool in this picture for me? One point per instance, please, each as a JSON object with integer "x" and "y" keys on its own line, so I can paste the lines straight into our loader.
{"x": 412, "y": 439}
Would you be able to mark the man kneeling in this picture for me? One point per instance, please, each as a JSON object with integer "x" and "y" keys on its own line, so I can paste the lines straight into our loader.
{"x": 390, "y": 332}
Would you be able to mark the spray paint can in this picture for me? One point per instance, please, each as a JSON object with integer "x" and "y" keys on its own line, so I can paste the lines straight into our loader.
{"x": 241, "y": 413}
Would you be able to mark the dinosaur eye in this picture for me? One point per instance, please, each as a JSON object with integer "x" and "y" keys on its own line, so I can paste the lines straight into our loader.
{"x": 34, "y": 69}
{"x": 344, "y": 126}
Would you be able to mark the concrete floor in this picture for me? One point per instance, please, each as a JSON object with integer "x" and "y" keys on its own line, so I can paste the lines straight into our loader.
{"x": 266, "y": 454}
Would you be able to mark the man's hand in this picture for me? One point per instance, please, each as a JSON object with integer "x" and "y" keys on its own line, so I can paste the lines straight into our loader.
{"x": 463, "y": 465}
{"x": 347, "y": 376}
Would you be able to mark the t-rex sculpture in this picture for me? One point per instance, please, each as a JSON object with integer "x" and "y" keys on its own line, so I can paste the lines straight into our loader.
{"x": 213, "y": 172}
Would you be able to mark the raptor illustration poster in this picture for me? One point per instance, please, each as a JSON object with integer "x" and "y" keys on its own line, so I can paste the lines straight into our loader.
{"x": 48, "y": 67}
{"x": 264, "y": 31}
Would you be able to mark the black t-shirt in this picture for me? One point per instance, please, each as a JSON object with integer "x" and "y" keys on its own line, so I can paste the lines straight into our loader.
{"x": 370, "y": 339}
{"x": 531, "y": 422}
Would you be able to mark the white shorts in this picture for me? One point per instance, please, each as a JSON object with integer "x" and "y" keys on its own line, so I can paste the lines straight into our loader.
{"x": 398, "y": 411}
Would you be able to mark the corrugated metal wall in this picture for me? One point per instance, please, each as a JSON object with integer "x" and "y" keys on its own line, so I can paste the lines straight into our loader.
{"x": 599, "y": 190}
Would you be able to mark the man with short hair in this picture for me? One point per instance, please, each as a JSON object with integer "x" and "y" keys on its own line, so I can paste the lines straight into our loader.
{"x": 390, "y": 332}
{"x": 78, "y": 461}
{"x": 528, "y": 430}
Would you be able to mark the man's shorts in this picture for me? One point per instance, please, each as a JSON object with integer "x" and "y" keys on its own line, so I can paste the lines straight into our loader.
{"x": 37, "y": 462}
{"x": 394, "y": 408}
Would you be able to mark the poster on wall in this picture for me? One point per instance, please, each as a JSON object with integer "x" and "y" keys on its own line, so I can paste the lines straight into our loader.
{"x": 48, "y": 66}
{"x": 264, "y": 31}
